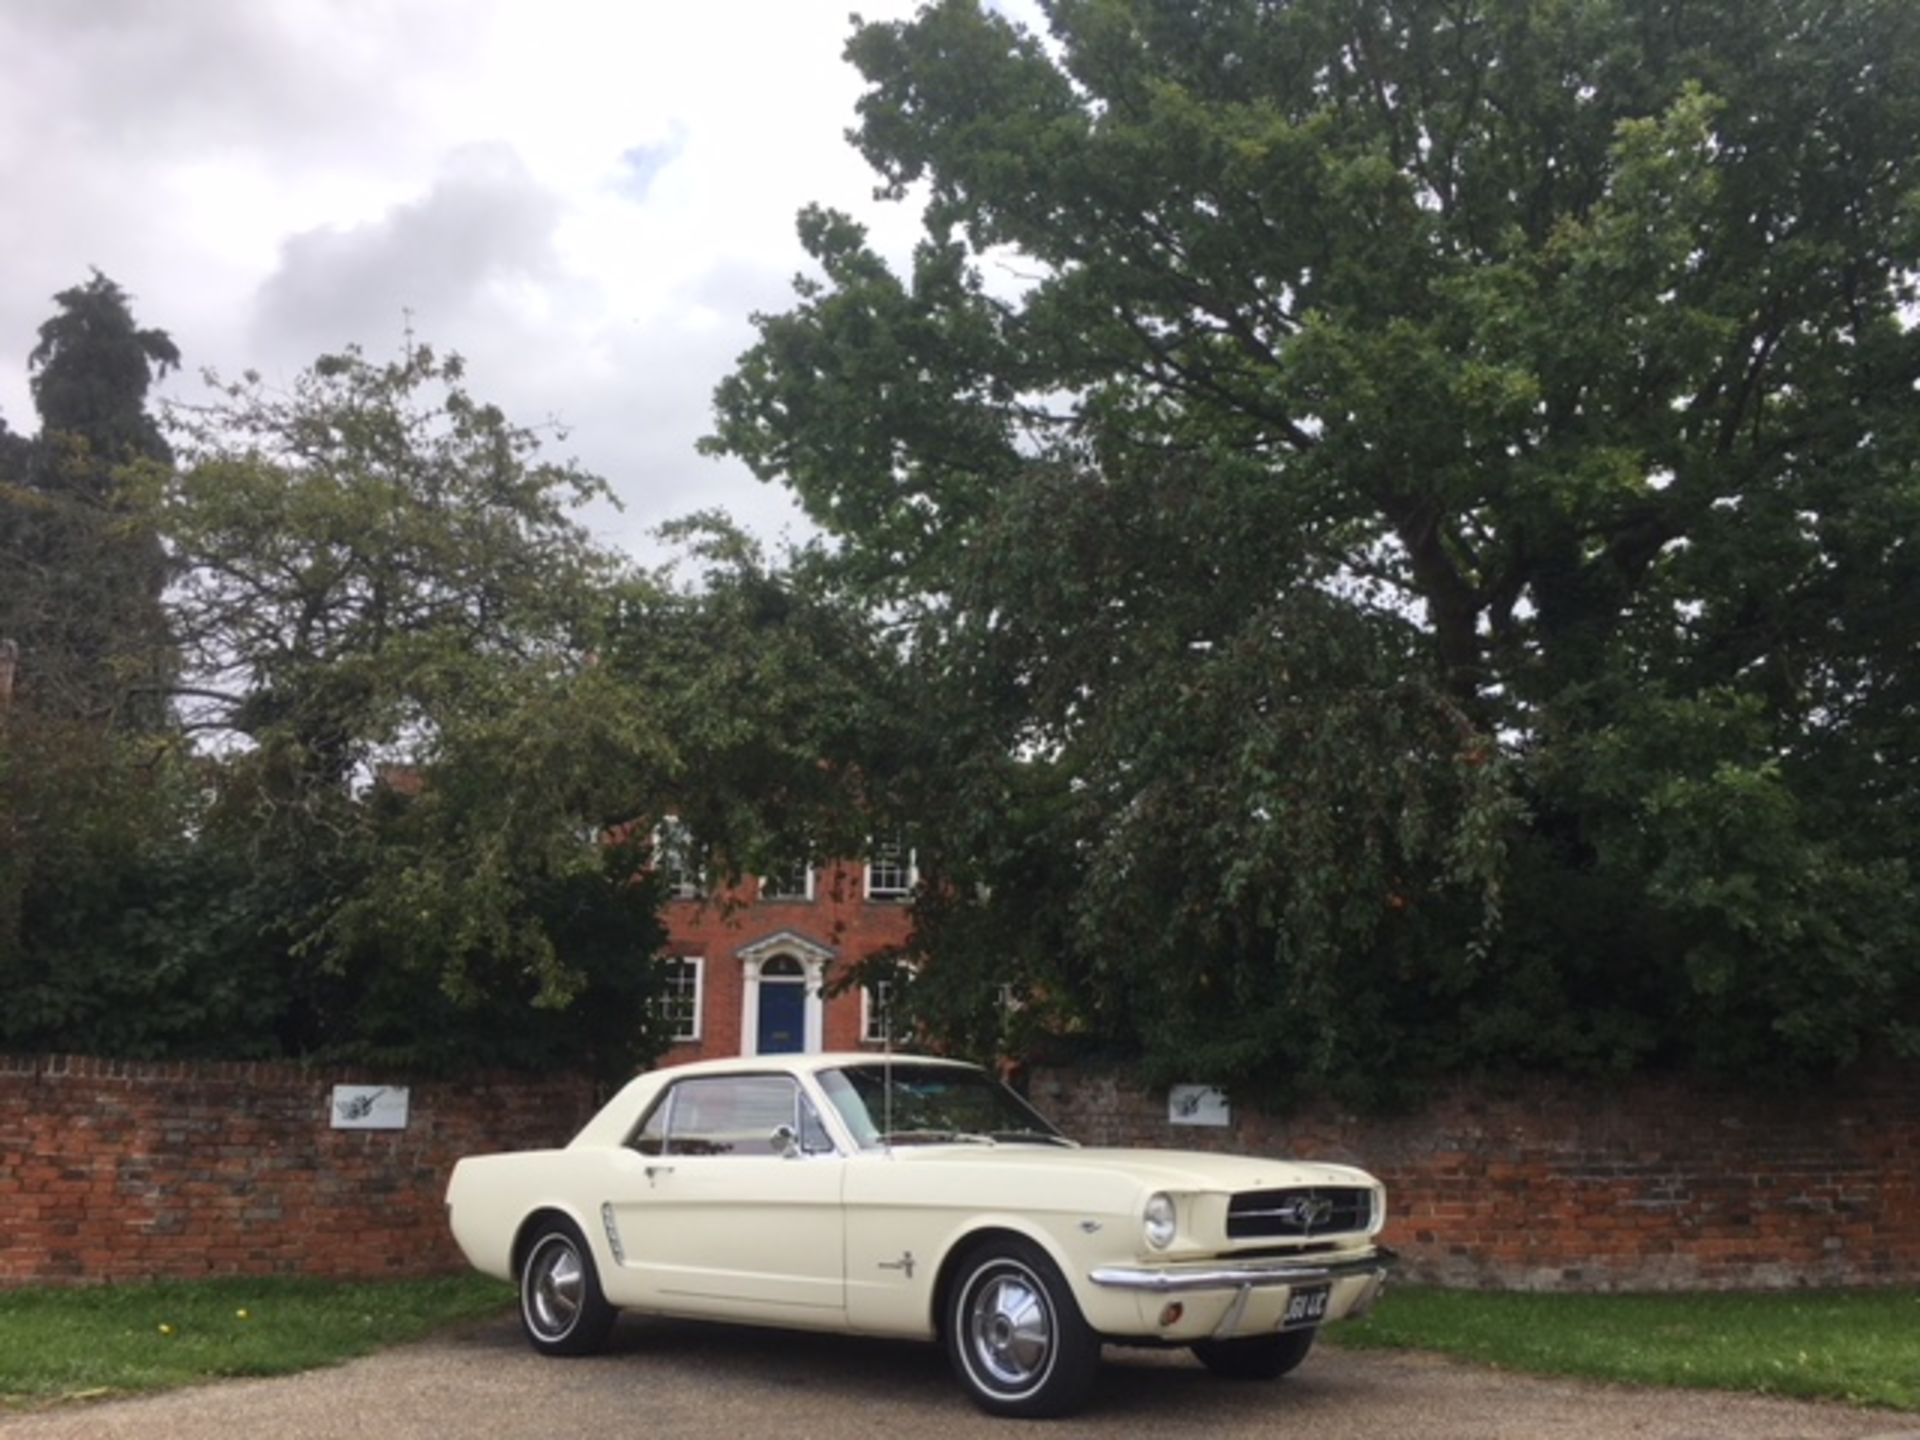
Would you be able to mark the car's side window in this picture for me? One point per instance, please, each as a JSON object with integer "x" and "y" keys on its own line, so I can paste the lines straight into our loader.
{"x": 814, "y": 1139}
{"x": 730, "y": 1114}
{"x": 651, "y": 1137}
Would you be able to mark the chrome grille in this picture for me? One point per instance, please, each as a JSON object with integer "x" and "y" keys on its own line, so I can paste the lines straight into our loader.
{"x": 1300, "y": 1212}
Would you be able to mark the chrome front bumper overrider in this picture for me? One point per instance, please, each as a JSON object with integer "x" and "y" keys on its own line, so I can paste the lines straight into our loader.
{"x": 1178, "y": 1279}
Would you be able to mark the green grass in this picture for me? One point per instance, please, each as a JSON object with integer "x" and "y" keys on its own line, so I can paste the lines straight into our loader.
{"x": 1861, "y": 1346}
{"x": 105, "y": 1340}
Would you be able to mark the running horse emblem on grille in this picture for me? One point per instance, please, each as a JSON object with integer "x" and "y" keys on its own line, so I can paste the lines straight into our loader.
{"x": 1307, "y": 1211}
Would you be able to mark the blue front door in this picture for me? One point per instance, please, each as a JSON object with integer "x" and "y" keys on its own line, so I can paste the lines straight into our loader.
{"x": 783, "y": 1017}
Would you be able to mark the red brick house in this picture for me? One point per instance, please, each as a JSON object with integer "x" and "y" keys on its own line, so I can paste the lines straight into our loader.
{"x": 748, "y": 971}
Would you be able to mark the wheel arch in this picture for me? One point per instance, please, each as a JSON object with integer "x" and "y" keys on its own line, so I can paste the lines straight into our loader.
{"x": 997, "y": 1227}
{"x": 535, "y": 1221}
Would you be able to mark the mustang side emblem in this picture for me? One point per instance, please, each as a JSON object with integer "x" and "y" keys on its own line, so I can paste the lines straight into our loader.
{"x": 1307, "y": 1211}
{"x": 906, "y": 1262}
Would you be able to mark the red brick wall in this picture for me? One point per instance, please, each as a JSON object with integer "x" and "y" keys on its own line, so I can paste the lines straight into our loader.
{"x": 839, "y": 917}
{"x": 116, "y": 1170}
{"x": 1653, "y": 1184}
{"x": 120, "y": 1170}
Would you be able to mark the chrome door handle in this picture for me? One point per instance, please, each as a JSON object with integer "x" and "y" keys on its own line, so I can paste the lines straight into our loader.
{"x": 652, "y": 1170}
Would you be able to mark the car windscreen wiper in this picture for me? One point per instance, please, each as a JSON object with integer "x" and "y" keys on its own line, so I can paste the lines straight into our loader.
{"x": 936, "y": 1137}
{"x": 1042, "y": 1137}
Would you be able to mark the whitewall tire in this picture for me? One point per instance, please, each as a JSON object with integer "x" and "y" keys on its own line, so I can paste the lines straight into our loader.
{"x": 1014, "y": 1333}
{"x": 562, "y": 1308}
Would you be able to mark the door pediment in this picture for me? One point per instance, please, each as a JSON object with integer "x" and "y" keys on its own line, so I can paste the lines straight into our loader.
{"x": 808, "y": 952}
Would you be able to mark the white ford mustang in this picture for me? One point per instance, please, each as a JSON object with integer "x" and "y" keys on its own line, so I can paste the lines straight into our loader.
{"x": 917, "y": 1197}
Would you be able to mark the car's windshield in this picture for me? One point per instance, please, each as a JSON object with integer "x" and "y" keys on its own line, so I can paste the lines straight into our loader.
{"x": 908, "y": 1103}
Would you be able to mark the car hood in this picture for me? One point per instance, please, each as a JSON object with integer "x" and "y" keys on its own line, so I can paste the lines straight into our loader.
{"x": 1180, "y": 1170}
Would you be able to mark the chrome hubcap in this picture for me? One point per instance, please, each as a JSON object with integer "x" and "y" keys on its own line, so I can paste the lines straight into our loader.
{"x": 555, "y": 1287}
{"x": 1010, "y": 1327}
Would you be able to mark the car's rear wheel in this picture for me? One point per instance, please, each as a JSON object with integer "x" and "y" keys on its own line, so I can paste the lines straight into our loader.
{"x": 1015, "y": 1334}
{"x": 1257, "y": 1357}
{"x": 562, "y": 1308}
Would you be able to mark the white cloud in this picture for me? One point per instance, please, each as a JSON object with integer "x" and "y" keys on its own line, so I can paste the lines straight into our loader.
{"x": 484, "y": 224}
{"x": 585, "y": 199}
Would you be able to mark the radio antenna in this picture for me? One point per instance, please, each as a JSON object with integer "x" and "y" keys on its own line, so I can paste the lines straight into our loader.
{"x": 886, "y": 1065}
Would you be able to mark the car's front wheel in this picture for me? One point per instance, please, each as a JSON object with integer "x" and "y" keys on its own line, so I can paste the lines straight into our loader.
{"x": 1015, "y": 1334}
{"x": 1257, "y": 1357}
{"x": 562, "y": 1308}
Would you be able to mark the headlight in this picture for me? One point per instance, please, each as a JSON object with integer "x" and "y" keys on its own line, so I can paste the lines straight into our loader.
{"x": 1159, "y": 1220}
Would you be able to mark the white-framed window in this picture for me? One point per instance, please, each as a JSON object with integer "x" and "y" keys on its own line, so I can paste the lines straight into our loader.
{"x": 877, "y": 1009}
{"x": 676, "y": 857}
{"x": 876, "y": 1000}
{"x": 788, "y": 882}
{"x": 891, "y": 870}
{"x": 682, "y": 988}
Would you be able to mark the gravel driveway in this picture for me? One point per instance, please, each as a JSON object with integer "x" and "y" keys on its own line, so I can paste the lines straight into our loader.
{"x": 663, "y": 1379}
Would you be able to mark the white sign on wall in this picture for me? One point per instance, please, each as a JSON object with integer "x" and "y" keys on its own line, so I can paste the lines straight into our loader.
{"x": 369, "y": 1107}
{"x": 1198, "y": 1105}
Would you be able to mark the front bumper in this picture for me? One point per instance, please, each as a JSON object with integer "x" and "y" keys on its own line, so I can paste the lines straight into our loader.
{"x": 1288, "y": 1270}
{"x": 1239, "y": 1297}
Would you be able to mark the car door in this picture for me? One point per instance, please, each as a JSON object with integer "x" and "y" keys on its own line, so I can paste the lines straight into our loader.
{"x": 732, "y": 1204}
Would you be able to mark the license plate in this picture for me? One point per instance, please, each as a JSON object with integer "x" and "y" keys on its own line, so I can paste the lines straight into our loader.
{"x": 1305, "y": 1306}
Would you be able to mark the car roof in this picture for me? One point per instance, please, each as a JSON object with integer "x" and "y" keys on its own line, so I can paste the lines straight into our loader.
{"x": 617, "y": 1117}
{"x": 828, "y": 1060}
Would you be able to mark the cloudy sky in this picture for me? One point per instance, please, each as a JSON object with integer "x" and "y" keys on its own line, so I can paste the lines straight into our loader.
{"x": 587, "y": 200}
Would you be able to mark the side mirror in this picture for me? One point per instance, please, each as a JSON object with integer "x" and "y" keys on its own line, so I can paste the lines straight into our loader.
{"x": 784, "y": 1142}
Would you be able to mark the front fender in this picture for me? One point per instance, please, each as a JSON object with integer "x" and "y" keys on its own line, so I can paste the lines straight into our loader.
{"x": 1077, "y": 1251}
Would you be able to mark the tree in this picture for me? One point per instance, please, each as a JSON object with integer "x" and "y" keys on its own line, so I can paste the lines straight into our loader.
{"x": 128, "y": 937}
{"x": 388, "y": 616}
{"x": 15, "y": 451}
{"x": 92, "y": 852}
{"x": 91, "y": 372}
{"x": 434, "y": 724}
{"x": 785, "y": 704}
{"x": 1410, "y": 559}
{"x": 86, "y": 570}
